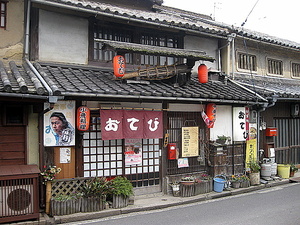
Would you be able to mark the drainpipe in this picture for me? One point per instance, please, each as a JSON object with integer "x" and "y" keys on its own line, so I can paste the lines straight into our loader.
{"x": 52, "y": 99}
{"x": 230, "y": 38}
{"x": 233, "y": 56}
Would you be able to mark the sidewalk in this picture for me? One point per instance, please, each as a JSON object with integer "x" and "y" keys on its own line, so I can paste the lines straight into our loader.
{"x": 156, "y": 201}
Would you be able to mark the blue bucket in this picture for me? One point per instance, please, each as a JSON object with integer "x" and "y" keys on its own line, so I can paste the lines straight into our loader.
{"x": 218, "y": 184}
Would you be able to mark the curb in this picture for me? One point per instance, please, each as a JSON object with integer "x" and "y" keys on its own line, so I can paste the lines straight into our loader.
{"x": 46, "y": 220}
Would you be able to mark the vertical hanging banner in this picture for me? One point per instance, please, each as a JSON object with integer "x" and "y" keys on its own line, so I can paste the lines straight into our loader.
{"x": 239, "y": 124}
{"x": 251, "y": 153}
{"x": 133, "y": 124}
{"x": 111, "y": 124}
{"x": 59, "y": 124}
{"x": 153, "y": 124}
{"x": 133, "y": 152}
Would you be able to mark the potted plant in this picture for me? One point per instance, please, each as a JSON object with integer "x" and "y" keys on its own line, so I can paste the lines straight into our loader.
{"x": 175, "y": 188}
{"x": 254, "y": 172}
{"x": 120, "y": 189}
{"x": 94, "y": 194}
{"x": 235, "y": 181}
{"x": 64, "y": 204}
{"x": 222, "y": 139}
{"x": 293, "y": 169}
{"x": 245, "y": 181}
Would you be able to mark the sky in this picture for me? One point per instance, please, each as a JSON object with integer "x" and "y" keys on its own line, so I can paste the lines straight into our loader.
{"x": 276, "y": 18}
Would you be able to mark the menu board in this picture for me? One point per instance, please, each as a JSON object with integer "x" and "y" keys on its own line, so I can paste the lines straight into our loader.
{"x": 190, "y": 146}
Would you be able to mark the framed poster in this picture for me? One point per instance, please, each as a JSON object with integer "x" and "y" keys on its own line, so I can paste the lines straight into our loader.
{"x": 59, "y": 124}
{"x": 190, "y": 146}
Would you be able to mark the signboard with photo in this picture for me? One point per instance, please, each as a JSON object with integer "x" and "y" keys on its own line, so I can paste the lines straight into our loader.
{"x": 59, "y": 124}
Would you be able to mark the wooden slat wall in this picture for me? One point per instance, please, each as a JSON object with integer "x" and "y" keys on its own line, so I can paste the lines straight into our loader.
{"x": 12, "y": 145}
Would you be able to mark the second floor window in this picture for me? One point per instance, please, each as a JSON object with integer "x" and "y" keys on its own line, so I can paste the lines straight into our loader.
{"x": 3, "y": 11}
{"x": 247, "y": 62}
{"x": 128, "y": 34}
{"x": 275, "y": 67}
{"x": 295, "y": 69}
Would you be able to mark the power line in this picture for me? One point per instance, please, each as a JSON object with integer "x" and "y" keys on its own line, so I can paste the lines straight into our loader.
{"x": 249, "y": 13}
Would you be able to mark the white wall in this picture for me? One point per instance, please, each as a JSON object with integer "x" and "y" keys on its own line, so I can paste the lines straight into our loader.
{"x": 208, "y": 45}
{"x": 223, "y": 123}
{"x": 63, "y": 38}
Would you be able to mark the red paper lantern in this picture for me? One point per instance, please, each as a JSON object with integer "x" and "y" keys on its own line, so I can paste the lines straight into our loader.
{"x": 211, "y": 110}
{"x": 83, "y": 118}
{"x": 202, "y": 73}
{"x": 119, "y": 66}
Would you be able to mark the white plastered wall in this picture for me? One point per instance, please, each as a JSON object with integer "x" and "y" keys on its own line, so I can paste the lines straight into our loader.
{"x": 63, "y": 38}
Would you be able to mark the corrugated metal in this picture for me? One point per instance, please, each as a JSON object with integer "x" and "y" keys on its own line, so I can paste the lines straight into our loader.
{"x": 287, "y": 143}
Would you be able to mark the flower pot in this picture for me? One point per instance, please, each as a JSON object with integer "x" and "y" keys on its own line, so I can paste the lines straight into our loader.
{"x": 66, "y": 207}
{"x": 236, "y": 184}
{"x": 254, "y": 178}
{"x": 187, "y": 189}
{"x": 92, "y": 204}
{"x": 245, "y": 183}
{"x": 119, "y": 201}
{"x": 176, "y": 190}
{"x": 292, "y": 173}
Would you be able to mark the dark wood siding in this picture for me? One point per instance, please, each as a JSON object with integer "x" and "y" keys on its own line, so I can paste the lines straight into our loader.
{"x": 12, "y": 145}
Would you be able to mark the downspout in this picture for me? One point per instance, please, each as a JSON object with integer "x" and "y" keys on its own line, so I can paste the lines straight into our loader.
{"x": 51, "y": 98}
{"x": 230, "y": 38}
{"x": 233, "y": 56}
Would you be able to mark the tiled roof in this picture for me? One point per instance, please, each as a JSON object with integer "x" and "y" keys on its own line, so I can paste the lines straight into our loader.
{"x": 91, "y": 82}
{"x": 169, "y": 17}
{"x": 268, "y": 86}
{"x": 19, "y": 79}
{"x": 150, "y": 49}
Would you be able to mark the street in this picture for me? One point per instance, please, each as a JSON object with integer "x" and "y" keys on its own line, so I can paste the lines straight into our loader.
{"x": 277, "y": 206}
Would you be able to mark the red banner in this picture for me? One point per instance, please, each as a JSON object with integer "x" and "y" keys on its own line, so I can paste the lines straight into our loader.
{"x": 119, "y": 124}
{"x": 133, "y": 124}
{"x": 111, "y": 124}
{"x": 153, "y": 124}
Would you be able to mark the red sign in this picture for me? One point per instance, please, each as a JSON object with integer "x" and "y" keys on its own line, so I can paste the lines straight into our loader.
{"x": 83, "y": 118}
{"x": 119, "y": 66}
{"x": 111, "y": 124}
{"x": 119, "y": 124}
{"x": 133, "y": 124}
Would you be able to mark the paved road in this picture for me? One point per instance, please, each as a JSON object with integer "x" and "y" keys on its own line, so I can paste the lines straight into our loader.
{"x": 275, "y": 206}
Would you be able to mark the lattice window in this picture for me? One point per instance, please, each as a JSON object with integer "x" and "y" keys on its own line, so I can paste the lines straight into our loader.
{"x": 247, "y": 62}
{"x": 177, "y": 120}
{"x": 3, "y": 14}
{"x": 129, "y": 34}
{"x": 275, "y": 67}
{"x": 295, "y": 69}
{"x": 106, "y": 158}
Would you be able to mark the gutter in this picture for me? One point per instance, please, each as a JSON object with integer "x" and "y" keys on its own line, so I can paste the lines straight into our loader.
{"x": 3, "y": 94}
{"x": 241, "y": 86}
{"x": 76, "y": 8}
{"x": 139, "y": 97}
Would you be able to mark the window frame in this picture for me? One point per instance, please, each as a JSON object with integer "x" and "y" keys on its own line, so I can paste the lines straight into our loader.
{"x": 295, "y": 70}
{"x": 273, "y": 70}
{"x": 249, "y": 66}
{"x": 132, "y": 35}
{"x": 3, "y": 14}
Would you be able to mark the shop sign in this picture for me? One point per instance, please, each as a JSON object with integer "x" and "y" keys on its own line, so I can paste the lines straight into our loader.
{"x": 120, "y": 124}
{"x": 59, "y": 124}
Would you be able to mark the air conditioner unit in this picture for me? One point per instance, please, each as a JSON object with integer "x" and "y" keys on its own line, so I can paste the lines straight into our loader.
{"x": 16, "y": 200}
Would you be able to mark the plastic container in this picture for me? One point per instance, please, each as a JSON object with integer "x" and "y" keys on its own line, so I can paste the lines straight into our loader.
{"x": 219, "y": 184}
{"x": 283, "y": 170}
{"x": 266, "y": 170}
{"x": 273, "y": 169}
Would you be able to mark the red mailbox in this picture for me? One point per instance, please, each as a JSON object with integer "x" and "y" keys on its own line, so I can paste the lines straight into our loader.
{"x": 271, "y": 131}
{"x": 172, "y": 149}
